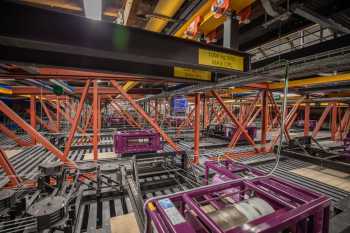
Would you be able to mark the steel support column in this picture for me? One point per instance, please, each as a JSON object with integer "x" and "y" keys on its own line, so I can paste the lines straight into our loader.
{"x": 197, "y": 126}
{"x": 95, "y": 121}
{"x": 139, "y": 109}
{"x": 76, "y": 120}
{"x": 264, "y": 122}
{"x": 306, "y": 119}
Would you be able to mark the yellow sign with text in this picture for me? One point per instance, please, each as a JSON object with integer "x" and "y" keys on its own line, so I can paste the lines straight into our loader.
{"x": 192, "y": 74}
{"x": 219, "y": 59}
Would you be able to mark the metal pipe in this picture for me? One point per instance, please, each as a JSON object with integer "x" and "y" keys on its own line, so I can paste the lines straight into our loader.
{"x": 197, "y": 125}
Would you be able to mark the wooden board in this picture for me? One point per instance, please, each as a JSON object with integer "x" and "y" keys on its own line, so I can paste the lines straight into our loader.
{"x": 101, "y": 155}
{"x": 331, "y": 177}
{"x": 11, "y": 153}
{"x": 124, "y": 224}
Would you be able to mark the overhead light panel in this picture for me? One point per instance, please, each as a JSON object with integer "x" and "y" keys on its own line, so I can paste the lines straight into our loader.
{"x": 93, "y": 9}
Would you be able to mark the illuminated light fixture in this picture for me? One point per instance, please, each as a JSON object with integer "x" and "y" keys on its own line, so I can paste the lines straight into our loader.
{"x": 93, "y": 9}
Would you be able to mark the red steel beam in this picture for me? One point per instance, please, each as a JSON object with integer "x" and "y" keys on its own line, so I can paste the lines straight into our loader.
{"x": 264, "y": 123}
{"x": 47, "y": 112}
{"x": 9, "y": 170}
{"x": 31, "y": 131}
{"x": 76, "y": 121}
{"x": 45, "y": 125}
{"x": 95, "y": 120}
{"x": 245, "y": 121}
{"x": 156, "y": 110}
{"x": 277, "y": 111}
{"x": 87, "y": 122}
{"x": 205, "y": 112}
{"x": 235, "y": 120}
{"x": 290, "y": 118}
{"x": 139, "y": 109}
{"x": 66, "y": 115}
{"x": 131, "y": 123}
{"x": 321, "y": 120}
{"x": 13, "y": 136}
{"x": 343, "y": 123}
{"x": 184, "y": 122}
{"x": 306, "y": 119}
{"x": 334, "y": 121}
{"x": 58, "y": 115}
{"x": 124, "y": 114}
{"x": 197, "y": 125}
{"x": 32, "y": 114}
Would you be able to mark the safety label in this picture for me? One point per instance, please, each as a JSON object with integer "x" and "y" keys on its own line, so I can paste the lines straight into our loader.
{"x": 171, "y": 211}
{"x": 188, "y": 73}
{"x": 220, "y": 59}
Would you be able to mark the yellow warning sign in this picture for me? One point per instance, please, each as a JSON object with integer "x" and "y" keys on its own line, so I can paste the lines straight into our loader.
{"x": 219, "y": 59}
{"x": 192, "y": 74}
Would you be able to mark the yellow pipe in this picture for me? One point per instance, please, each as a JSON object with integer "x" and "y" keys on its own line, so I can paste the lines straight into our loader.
{"x": 167, "y": 8}
{"x": 202, "y": 11}
{"x": 130, "y": 84}
{"x": 209, "y": 22}
{"x": 312, "y": 81}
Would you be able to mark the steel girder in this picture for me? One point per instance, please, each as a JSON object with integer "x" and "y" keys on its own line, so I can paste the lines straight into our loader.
{"x": 77, "y": 42}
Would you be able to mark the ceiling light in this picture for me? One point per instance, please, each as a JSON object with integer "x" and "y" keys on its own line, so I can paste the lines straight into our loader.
{"x": 93, "y": 9}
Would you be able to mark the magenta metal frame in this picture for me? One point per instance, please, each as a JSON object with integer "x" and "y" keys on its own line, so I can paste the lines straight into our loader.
{"x": 138, "y": 141}
{"x": 296, "y": 209}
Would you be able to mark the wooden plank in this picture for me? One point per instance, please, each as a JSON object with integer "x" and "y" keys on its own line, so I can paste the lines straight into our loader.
{"x": 124, "y": 224}
{"x": 11, "y": 153}
{"x": 101, "y": 155}
{"x": 317, "y": 173}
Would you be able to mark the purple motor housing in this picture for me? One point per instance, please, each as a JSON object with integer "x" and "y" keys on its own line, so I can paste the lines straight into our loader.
{"x": 235, "y": 204}
{"x": 138, "y": 141}
{"x": 300, "y": 124}
{"x": 230, "y": 130}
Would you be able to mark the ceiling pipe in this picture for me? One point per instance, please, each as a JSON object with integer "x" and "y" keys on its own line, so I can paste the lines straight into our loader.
{"x": 165, "y": 8}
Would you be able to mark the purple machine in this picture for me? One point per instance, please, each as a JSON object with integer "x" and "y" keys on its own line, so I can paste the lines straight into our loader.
{"x": 237, "y": 201}
{"x": 230, "y": 130}
{"x": 138, "y": 141}
{"x": 300, "y": 124}
{"x": 115, "y": 121}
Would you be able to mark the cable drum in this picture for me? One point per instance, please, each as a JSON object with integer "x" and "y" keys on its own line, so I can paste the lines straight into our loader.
{"x": 242, "y": 212}
{"x": 7, "y": 198}
{"x": 48, "y": 211}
